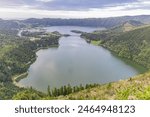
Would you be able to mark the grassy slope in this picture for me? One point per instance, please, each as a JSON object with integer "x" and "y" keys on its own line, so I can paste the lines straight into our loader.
{"x": 127, "y": 26}
{"x": 137, "y": 87}
{"x": 96, "y": 43}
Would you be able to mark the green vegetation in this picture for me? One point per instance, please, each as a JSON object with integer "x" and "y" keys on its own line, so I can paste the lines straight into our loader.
{"x": 127, "y": 26}
{"x": 95, "y": 42}
{"x": 29, "y": 94}
{"x": 133, "y": 44}
{"x": 76, "y": 31}
{"x": 135, "y": 88}
{"x": 16, "y": 56}
{"x": 7, "y": 90}
{"x": 17, "y": 78}
{"x": 18, "y": 53}
{"x": 66, "y": 90}
{"x": 32, "y": 94}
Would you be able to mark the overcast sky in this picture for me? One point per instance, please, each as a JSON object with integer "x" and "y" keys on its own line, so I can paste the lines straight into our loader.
{"x": 12, "y": 9}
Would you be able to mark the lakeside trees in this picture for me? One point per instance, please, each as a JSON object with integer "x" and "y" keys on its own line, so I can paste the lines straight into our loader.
{"x": 68, "y": 89}
{"x": 32, "y": 94}
{"x": 16, "y": 55}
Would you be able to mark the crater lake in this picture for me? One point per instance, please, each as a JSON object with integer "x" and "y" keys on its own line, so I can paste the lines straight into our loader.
{"x": 76, "y": 62}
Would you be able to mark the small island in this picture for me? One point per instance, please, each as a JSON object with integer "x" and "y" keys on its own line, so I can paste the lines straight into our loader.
{"x": 77, "y": 31}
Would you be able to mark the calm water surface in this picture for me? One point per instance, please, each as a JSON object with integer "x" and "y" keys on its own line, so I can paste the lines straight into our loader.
{"x": 76, "y": 62}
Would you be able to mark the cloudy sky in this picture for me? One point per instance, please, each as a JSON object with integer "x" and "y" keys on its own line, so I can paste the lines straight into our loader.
{"x": 12, "y": 9}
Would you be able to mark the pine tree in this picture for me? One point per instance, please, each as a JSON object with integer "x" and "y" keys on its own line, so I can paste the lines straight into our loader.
{"x": 69, "y": 89}
{"x": 81, "y": 87}
{"x": 74, "y": 89}
{"x": 87, "y": 86}
{"x": 49, "y": 91}
{"x": 55, "y": 92}
{"x": 62, "y": 91}
{"x": 65, "y": 90}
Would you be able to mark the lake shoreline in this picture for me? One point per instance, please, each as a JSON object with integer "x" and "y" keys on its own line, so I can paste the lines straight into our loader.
{"x": 16, "y": 78}
{"x": 127, "y": 70}
{"x": 126, "y": 60}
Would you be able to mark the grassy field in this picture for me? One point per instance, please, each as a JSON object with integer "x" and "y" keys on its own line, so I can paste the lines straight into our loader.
{"x": 96, "y": 43}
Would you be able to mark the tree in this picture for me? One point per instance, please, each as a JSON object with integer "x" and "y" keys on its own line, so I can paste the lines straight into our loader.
{"x": 49, "y": 91}
{"x": 69, "y": 89}
{"x": 62, "y": 91}
{"x": 65, "y": 90}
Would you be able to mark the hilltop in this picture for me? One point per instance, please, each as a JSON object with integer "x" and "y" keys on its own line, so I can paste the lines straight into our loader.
{"x": 91, "y": 22}
{"x": 127, "y": 26}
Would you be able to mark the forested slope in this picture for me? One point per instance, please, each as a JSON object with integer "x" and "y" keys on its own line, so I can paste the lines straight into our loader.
{"x": 16, "y": 55}
{"x": 134, "y": 45}
{"x": 127, "y": 41}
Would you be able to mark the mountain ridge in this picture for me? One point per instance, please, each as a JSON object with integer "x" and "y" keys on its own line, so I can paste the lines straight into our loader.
{"x": 94, "y": 22}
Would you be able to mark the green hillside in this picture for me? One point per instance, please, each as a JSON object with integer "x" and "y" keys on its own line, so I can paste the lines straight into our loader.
{"x": 16, "y": 56}
{"x": 130, "y": 40}
{"x": 127, "y": 26}
{"x": 134, "y": 45}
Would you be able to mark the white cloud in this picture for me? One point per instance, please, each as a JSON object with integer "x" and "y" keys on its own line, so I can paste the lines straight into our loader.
{"x": 93, "y": 13}
{"x": 142, "y": 7}
{"x": 44, "y": 0}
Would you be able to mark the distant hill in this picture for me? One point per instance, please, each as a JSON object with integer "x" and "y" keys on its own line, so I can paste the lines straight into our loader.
{"x": 9, "y": 24}
{"x": 127, "y": 26}
{"x": 92, "y": 22}
{"x": 134, "y": 23}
